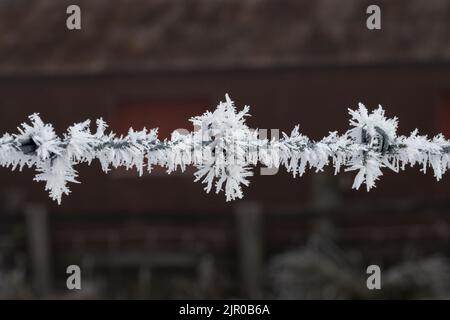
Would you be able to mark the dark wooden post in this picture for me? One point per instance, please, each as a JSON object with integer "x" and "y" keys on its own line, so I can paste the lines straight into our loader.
{"x": 249, "y": 236}
{"x": 36, "y": 218}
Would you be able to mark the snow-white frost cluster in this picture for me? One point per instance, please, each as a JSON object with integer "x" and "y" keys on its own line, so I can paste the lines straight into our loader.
{"x": 223, "y": 149}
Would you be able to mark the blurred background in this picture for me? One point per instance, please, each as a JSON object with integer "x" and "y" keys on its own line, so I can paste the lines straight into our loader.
{"x": 155, "y": 63}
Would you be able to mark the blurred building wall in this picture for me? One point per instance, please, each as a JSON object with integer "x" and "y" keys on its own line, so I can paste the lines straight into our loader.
{"x": 316, "y": 98}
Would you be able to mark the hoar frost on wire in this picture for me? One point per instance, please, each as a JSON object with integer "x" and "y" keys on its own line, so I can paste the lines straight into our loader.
{"x": 223, "y": 149}
{"x": 228, "y": 142}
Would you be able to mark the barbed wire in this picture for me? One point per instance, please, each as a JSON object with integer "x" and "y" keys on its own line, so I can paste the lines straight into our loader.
{"x": 223, "y": 149}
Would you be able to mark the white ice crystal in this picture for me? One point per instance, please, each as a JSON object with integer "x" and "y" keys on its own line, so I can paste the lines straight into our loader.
{"x": 56, "y": 173}
{"x": 80, "y": 142}
{"x": 42, "y": 135}
{"x": 226, "y": 138}
{"x": 365, "y": 158}
{"x": 362, "y": 119}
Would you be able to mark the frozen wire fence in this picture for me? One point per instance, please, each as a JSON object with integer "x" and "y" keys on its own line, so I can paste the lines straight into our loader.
{"x": 223, "y": 149}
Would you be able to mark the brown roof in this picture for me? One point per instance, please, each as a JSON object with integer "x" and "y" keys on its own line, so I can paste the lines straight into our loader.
{"x": 140, "y": 35}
